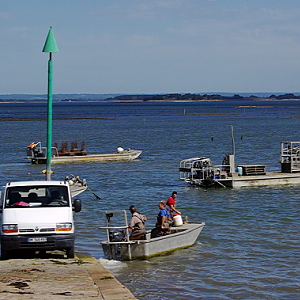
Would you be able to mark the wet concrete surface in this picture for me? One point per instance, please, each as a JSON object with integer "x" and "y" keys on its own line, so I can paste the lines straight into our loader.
{"x": 53, "y": 276}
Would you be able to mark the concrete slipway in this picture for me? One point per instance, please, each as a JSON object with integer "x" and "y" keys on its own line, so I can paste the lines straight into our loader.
{"x": 55, "y": 278}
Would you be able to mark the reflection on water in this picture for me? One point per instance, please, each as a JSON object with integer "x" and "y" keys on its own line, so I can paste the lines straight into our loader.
{"x": 249, "y": 248}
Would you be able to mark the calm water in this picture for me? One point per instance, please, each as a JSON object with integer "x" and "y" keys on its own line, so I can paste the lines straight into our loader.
{"x": 250, "y": 247}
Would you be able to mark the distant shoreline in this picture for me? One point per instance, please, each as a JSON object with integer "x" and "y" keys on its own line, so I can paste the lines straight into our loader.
{"x": 136, "y": 101}
{"x": 142, "y": 98}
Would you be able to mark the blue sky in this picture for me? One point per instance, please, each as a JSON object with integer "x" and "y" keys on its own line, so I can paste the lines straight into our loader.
{"x": 151, "y": 46}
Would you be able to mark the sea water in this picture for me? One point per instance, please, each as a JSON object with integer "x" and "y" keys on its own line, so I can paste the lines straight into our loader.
{"x": 250, "y": 246}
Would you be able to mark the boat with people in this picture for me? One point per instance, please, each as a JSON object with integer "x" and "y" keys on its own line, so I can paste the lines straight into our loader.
{"x": 37, "y": 154}
{"x": 118, "y": 245}
{"x": 201, "y": 172}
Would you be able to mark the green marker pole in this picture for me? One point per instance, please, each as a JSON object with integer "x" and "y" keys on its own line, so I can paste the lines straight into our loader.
{"x": 50, "y": 46}
{"x": 49, "y": 119}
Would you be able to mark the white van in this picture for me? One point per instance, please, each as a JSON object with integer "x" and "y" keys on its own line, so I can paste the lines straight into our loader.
{"x": 38, "y": 216}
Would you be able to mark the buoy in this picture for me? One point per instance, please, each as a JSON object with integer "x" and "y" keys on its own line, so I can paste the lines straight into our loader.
{"x": 45, "y": 171}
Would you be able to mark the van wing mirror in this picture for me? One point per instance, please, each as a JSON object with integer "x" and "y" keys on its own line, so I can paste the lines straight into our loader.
{"x": 77, "y": 205}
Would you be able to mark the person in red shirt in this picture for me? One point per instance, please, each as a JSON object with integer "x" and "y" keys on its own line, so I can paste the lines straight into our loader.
{"x": 171, "y": 203}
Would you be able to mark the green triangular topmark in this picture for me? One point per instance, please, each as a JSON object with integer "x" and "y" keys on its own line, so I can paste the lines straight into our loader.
{"x": 50, "y": 44}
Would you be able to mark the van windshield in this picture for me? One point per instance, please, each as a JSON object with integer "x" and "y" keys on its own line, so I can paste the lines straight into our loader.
{"x": 33, "y": 196}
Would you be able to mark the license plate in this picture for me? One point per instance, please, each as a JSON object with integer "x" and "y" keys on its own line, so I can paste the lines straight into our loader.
{"x": 37, "y": 240}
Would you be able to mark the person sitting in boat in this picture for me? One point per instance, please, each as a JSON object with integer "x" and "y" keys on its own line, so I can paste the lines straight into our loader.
{"x": 137, "y": 224}
{"x": 162, "y": 226}
{"x": 171, "y": 203}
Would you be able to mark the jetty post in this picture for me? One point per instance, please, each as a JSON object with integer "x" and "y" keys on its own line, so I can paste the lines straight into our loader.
{"x": 50, "y": 47}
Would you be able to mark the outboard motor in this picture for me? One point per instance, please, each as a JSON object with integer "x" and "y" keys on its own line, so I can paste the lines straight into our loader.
{"x": 116, "y": 236}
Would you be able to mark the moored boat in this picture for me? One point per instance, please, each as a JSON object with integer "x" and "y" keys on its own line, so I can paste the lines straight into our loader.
{"x": 199, "y": 171}
{"x": 77, "y": 185}
{"x": 119, "y": 246}
{"x": 37, "y": 154}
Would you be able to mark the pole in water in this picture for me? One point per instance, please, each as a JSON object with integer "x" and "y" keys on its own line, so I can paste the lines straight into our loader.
{"x": 233, "y": 142}
{"x": 50, "y": 47}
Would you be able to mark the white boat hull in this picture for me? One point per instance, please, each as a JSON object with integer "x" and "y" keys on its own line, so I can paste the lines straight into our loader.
{"x": 181, "y": 237}
{"x": 269, "y": 179}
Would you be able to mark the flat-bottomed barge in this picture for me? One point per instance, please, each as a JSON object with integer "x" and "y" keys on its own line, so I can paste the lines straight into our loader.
{"x": 36, "y": 154}
{"x": 200, "y": 172}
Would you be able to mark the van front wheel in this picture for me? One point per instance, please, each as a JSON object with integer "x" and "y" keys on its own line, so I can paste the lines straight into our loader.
{"x": 70, "y": 253}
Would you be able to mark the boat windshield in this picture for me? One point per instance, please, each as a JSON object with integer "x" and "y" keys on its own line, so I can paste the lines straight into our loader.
{"x": 33, "y": 196}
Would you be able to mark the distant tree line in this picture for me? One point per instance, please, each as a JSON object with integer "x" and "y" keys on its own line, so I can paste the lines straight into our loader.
{"x": 194, "y": 97}
{"x": 285, "y": 96}
{"x": 174, "y": 97}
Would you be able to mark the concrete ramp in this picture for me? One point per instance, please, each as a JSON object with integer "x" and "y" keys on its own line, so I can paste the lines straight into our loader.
{"x": 55, "y": 278}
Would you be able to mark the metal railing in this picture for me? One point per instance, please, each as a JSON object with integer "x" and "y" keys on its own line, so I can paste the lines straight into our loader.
{"x": 109, "y": 215}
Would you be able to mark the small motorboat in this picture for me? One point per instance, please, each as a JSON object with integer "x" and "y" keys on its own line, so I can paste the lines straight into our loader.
{"x": 77, "y": 185}
{"x": 118, "y": 246}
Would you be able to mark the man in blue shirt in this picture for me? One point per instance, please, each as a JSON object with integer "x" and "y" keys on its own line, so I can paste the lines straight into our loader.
{"x": 163, "y": 219}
